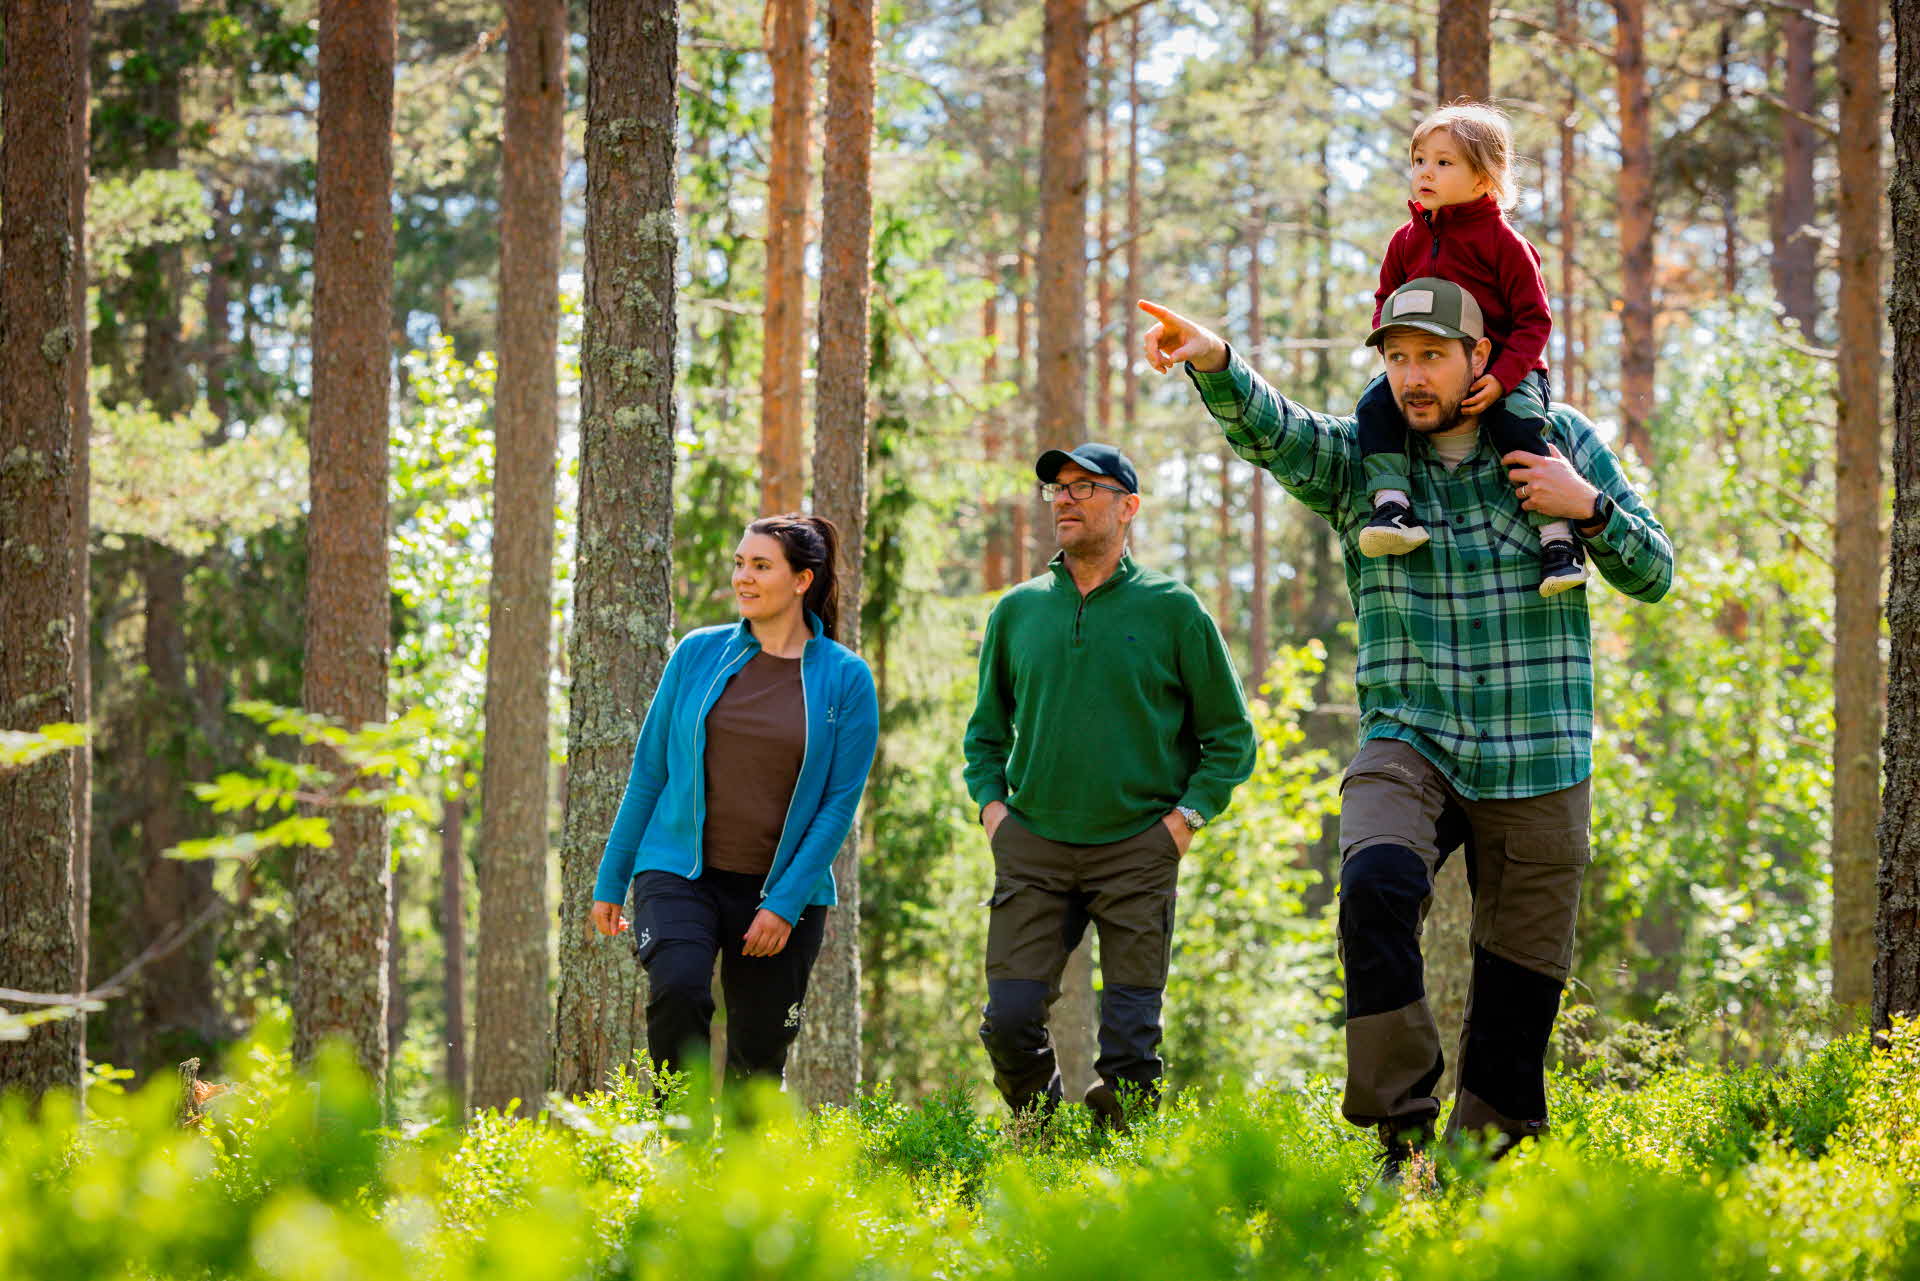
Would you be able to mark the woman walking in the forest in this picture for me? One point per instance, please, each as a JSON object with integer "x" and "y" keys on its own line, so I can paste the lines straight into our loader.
{"x": 750, "y": 763}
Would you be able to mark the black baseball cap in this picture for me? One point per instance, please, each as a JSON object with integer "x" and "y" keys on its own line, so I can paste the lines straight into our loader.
{"x": 1101, "y": 460}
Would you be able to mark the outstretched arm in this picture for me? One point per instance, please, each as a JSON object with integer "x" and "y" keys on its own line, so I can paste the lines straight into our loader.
{"x": 1314, "y": 456}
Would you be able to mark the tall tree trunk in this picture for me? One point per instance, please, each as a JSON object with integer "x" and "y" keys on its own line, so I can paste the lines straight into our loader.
{"x": 1258, "y": 606}
{"x": 510, "y": 1025}
{"x": 1103, "y": 276}
{"x": 80, "y": 407}
{"x": 39, "y": 228}
{"x": 1464, "y": 53}
{"x": 1129, "y": 385}
{"x": 396, "y": 973}
{"x": 623, "y": 611}
{"x": 1025, "y": 535}
{"x": 1636, "y": 227}
{"x": 993, "y": 570}
{"x": 826, "y": 1058}
{"x": 1061, "y": 374}
{"x": 788, "y": 24}
{"x": 1857, "y": 690}
{"x": 1796, "y": 241}
{"x": 340, "y": 894}
{"x": 1565, "y": 318}
{"x": 1730, "y": 180}
{"x": 453, "y": 943}
{"x": 1896, "y": 971}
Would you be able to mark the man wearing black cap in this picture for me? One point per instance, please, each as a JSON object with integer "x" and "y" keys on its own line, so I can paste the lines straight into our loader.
{"x": 1109, "y": 728}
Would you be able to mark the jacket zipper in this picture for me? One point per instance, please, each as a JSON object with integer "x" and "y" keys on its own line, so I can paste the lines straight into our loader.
{"x": 1433, "y": 230}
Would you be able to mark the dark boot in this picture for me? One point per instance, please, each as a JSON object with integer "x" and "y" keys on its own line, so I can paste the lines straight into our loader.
{"x": 1403, "y": 1151}
{"x": 1108, "y": 1114}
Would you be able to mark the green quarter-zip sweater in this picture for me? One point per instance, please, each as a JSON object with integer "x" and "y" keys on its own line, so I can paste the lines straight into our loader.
{"x": 1097, "y": 715}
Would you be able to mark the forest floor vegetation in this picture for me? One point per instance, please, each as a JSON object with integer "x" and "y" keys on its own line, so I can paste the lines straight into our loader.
{"x": 1806, "y": 1171}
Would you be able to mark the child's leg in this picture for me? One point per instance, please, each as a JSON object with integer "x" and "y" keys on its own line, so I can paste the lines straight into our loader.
{"x": 1382, "y": 435}
{"x": 1518, "y": 422}
{"x": 1392, "y": 529}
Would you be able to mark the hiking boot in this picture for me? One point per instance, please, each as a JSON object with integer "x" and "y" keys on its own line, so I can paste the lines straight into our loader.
{"x": 1108, "y": 1114}
{"x": 1392, "y": 531}
{"x": 1403, "y": 1157}
{"x": 1562, "y": 567}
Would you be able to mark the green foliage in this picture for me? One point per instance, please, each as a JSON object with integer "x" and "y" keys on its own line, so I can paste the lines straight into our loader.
{"x": 157, "y": 477}
{"x": 292, "y": 1177}
{"x": 374, "y": 765}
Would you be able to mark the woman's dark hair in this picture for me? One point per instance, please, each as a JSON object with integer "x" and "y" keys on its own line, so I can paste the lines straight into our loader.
{"x": 810, "y": 542}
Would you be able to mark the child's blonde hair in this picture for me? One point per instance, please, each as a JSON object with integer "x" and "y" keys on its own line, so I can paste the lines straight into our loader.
{"x": 1484, "y": 136}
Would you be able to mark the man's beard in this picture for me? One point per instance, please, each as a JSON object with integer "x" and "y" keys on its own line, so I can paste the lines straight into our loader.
{"x": 1447, "y": 420}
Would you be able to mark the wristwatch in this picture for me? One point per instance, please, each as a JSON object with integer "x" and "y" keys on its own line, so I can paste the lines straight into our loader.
{"x": 1602, "y": 510}
{"x": 1191, "y": 817}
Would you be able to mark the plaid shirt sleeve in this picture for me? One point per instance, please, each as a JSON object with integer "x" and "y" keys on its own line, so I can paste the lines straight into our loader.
{"x": 1632, "y": 550}
{"x": 1315, "y": 457}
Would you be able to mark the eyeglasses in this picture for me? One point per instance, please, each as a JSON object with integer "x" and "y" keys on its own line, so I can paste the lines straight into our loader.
{"x": 1081, "y": 490}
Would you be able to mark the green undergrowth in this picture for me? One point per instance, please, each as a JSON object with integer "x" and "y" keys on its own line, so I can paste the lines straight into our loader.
{"x": 1804, "y": 1172}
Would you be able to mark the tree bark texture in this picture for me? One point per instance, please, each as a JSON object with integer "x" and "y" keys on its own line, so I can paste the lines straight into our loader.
{"x": 340, "y": 894}
{"x": 993, "y": 567}
{"x": 1464, "y": 55}
{"x": 825, "y": 1067}
{"x": 80, "y": 407}
{"x": 1258, "y": 606}
{"x": 1857, "y": 546}
{"x": 1896, "y": 971}
{"x": 1060, "y": 374}
{"x": 1103, "y": 275}
{"x": 623, "y": 584}
{"x": 1636, "y": 227}
{"x": 39, "y": 231}
{"x": 1129, "y": 386}
{"x": 1796, "y": 241}
{"x": 453, "y": 943}
{"x": 1024, "y": 535}
{"x": 789, "y": 24}
{"x": 512, "y": 1056}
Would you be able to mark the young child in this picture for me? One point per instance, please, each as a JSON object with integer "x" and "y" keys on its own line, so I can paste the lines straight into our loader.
{"x": 1462, "y": 179}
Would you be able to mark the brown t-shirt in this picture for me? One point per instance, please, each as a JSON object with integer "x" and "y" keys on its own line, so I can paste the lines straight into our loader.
{"x": 756, "y": 739}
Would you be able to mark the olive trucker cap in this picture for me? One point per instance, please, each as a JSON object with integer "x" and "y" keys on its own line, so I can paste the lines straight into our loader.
{"x": 1434, "y": 306}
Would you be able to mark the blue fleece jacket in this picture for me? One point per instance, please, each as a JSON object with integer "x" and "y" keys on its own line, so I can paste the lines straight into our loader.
{"x": 664, "y": 811}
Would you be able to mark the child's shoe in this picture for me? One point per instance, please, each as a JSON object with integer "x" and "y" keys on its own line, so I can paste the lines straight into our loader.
{"x": 1562, "y": 568}
{"x": 1392, "y": 531}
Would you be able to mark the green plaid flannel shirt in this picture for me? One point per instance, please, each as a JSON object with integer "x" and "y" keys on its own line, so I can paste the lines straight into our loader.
{"x": 1460, "y": 656}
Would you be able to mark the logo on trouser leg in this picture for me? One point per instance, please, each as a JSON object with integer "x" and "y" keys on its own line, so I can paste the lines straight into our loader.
{"x": 794, "y": 1014}
{"x": 646, "y": 937}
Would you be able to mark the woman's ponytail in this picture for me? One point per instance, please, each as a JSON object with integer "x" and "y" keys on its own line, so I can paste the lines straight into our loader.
{"x": 810, "y": 542}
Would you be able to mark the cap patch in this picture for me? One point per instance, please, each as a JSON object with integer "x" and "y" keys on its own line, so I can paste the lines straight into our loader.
{"x": 1419, "y": 301}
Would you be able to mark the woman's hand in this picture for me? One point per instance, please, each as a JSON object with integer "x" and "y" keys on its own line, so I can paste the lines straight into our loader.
{"x": 607, "y": 919}
{"x": 767, "y": 936}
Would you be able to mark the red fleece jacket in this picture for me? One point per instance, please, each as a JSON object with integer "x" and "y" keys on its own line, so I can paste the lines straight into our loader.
{"x": 1474, "y": 246}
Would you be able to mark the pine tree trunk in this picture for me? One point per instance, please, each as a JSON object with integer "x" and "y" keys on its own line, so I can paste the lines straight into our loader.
{"x": 1103, "y": 277}
{"x": 1857, "y": 546}
{"x": 1636, "y": 227}
{"x": 825, "y": 1067}
{"x": 1464, "y": 53}
{"x": 1060, "y": 375}
{"x": 623, "y": 581}
{"x": 1796, "y": 241}
{"x": 789, "y": 23}
{"x": 39, "y": 950}
{"x": 1129, "y": 385}
{"x": 1565, "y": 318}
{"x": 340, "y": 894}
{"x": 1258, "y": 606}
{"x": 511, "y": 1022}
{"x": 80, "y": 407}
{"x": 1024, "y": 534}
{"x": 1896, "y": 971}
{"x": 453, "y": 943}
{"x": 993, "y": 569}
